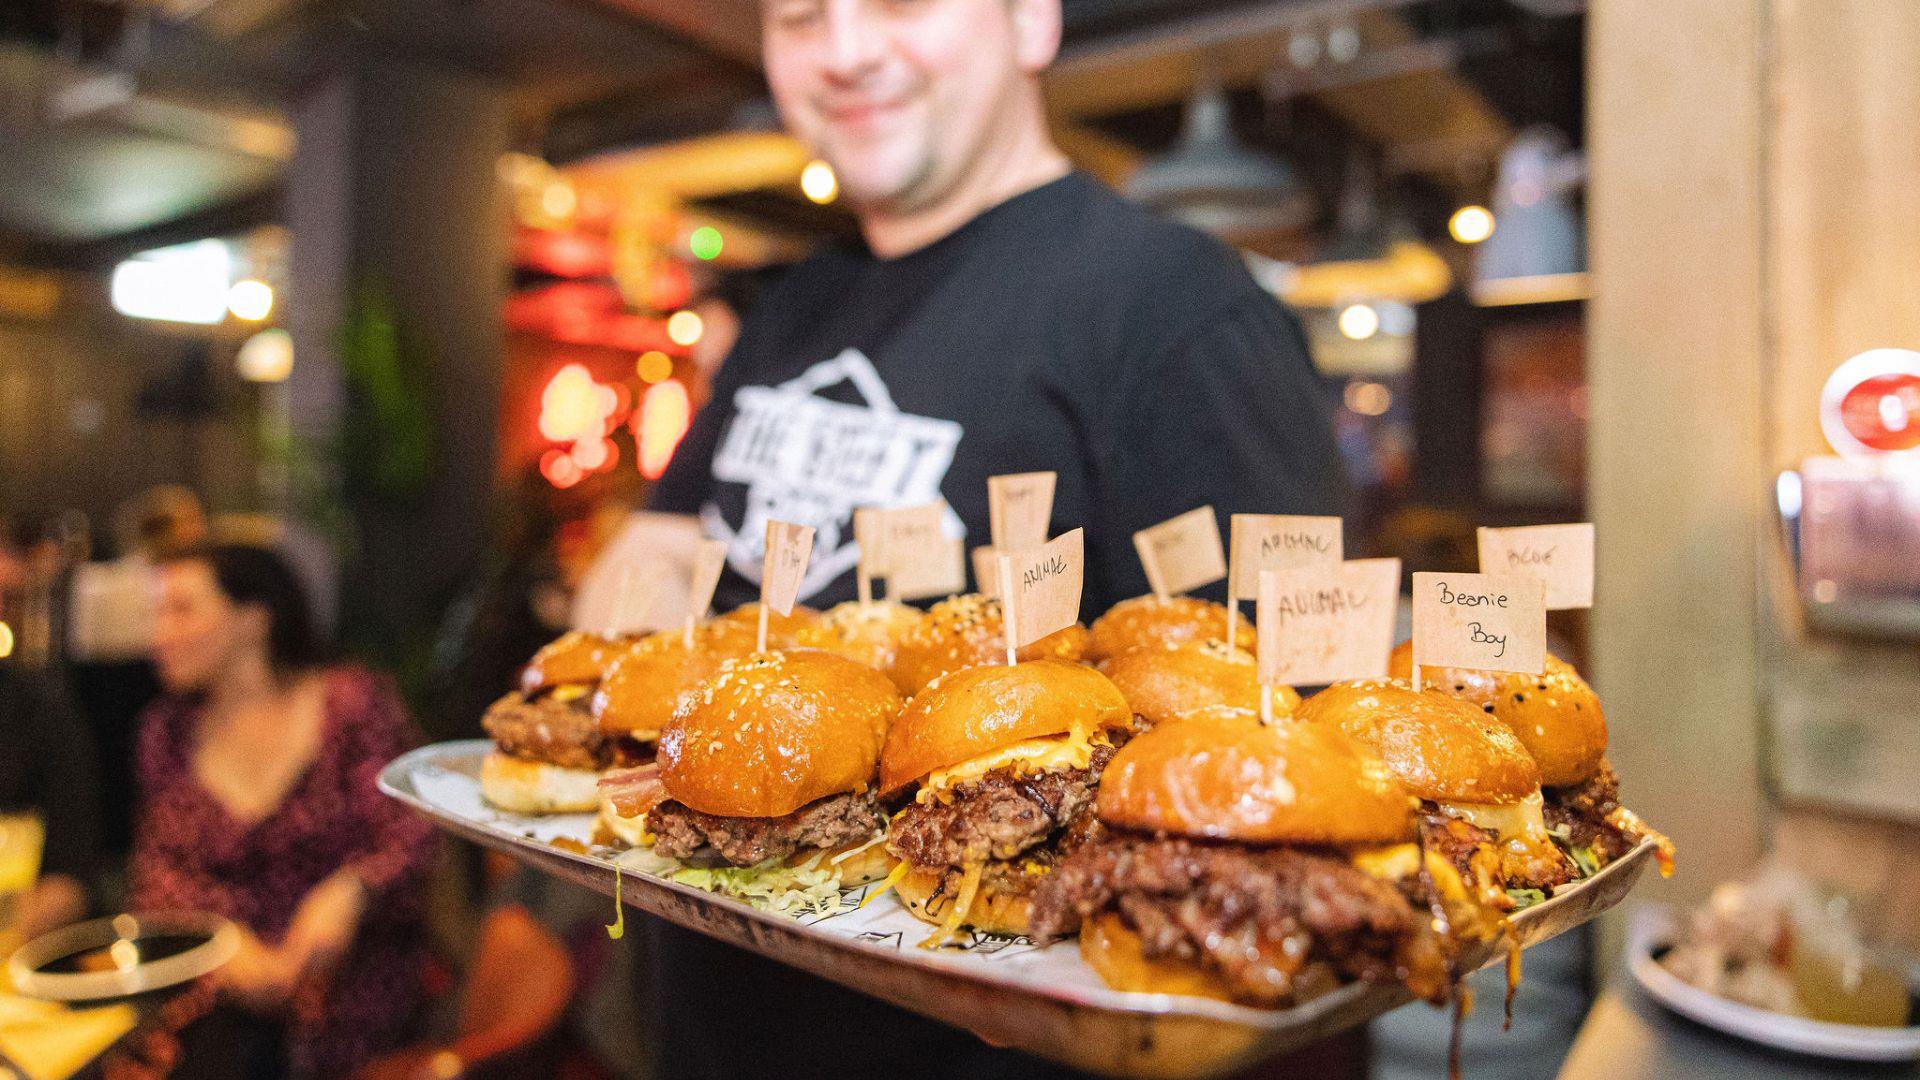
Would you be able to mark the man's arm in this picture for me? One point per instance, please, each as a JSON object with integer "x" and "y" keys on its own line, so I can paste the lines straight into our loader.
{"x": 1234, "y": 416}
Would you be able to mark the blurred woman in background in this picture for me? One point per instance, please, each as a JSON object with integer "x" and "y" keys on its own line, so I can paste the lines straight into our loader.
{"x": 258, "y": 802}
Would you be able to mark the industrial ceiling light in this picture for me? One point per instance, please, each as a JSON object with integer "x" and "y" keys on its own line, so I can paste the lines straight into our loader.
{"x": 1538, "y": 254}
{"x": 1369, "y": 257}
{"x": 1216, "y": 183}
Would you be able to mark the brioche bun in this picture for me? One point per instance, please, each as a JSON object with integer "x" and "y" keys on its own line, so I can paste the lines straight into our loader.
{"x": 864, "y": 866}
{"x": 982, "y": 709}
{"x": 1439, "y": 747}
{"x": 1114, "y": 952}
{"x": 1555, "y": 714}
{"x": 644, "y": 682}
{"x": 1224, "y": 775}
{"x": 774, "y": 731}
{"x": 1146, "y": 621}
{"x": 993, "y": 910}
{"x": 967, "y": 631}
{"x": 1167, "y": 682}
{"x": 739, "y": 629}
{"x": 520, "y": 786}
{"x": 869, "y": 633}
{"x": 574, "y": 657}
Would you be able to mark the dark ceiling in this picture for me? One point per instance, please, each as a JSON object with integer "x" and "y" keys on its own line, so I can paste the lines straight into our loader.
{"x": 205, "y": 137}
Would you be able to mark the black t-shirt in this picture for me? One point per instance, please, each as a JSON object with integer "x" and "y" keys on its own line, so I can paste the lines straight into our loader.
{"x": 1065, "y": 329}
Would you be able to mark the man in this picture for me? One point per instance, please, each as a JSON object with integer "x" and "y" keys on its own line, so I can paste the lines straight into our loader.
{"x": 1006, "y": 315}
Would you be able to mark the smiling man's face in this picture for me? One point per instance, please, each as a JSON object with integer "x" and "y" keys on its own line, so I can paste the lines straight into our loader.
{"x": 901, "y": 96}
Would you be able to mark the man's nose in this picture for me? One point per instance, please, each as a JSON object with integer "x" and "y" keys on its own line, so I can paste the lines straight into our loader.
{"x": 855, "y": 38}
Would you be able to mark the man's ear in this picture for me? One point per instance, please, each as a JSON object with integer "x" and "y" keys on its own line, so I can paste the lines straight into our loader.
{"x": 1036, "y": 32}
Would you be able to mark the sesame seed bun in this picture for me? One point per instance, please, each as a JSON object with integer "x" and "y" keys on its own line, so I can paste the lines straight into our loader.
{"x": 1555, "y": 714}
{"x": 982, "y": 709}
{"x": 574, "y": 657}
{"x": 774, "y": 731}
{"x": 965, "y": 631}
{"x": 870, "y": 633}
{"x": 1166, "y": 682}
{"x": 743, "y": 623}
{"x": 1227, "y": 776}
{"x": 1150, "y": 620}
{"x": 1439, "y": 747}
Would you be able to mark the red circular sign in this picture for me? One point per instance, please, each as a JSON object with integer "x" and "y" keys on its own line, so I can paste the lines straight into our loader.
{"x": 1884, "y": 412}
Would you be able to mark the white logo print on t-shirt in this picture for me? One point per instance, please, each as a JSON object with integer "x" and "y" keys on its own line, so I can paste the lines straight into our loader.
{"x": 811, "y": 461}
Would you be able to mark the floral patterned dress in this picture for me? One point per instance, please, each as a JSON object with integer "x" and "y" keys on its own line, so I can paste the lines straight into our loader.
{"x": 191, "y": 853}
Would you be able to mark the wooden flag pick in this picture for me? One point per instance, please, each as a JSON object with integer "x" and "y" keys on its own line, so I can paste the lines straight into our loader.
{"x": 781, "y": 571}
{"x": 1479, "y": 621}
{"x": 1561, "y": 556}
{"x": 1324, "y": 625}
{"x": 872, "y": 563}
{"x": 709, "y": 558}
{"x": 1042, "y": 589}
{"x": 986, "y": 570}
{"x": 1182, "y": 553}
{"x": 1275, "y": 542}
{"x": 1020, "y": 508}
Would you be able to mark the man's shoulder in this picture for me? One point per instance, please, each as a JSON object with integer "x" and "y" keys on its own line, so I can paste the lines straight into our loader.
{"x": 1119, "y": 240}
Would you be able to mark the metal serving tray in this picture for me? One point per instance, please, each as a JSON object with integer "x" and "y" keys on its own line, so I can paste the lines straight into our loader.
{"x": 1005, "y": 990}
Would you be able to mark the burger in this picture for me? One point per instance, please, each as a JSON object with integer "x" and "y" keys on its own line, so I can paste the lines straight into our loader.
{"x": 764, "y": 783}
{"x": 1003, "y": 762}
{"x": 1160, "y": 620}
{"x": 1558, "y": 718}
{"x": 638, "y": 696}
{"x": 1169, "y": 681}
{"x": 1260, "y": 864}
{"x": 870, "y": 633}
{"x": 1479, "y": 792}
{"x": 549, "y": 752}
{"x": 742, "y": 624}
{"x": 969, "y": 631}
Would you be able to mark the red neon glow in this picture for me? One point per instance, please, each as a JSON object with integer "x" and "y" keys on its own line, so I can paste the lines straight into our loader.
{"x": 563, "y": 254}
{"x": 1883, "y": 412}
{"x": 660, "y": 425}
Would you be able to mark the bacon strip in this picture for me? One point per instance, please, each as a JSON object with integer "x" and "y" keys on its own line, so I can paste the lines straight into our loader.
{"x": 633, "y": 792}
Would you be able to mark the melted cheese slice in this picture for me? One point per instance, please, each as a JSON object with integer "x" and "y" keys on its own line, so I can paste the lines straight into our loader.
{"x": 1521, "y": 826}
{"x": 570, "y": 692}
{"x": 1399, "y": 862}
{"x": 1071, "y": 751}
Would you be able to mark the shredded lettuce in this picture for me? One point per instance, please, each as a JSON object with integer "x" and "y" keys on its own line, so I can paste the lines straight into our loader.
{"x": 1584, "y": 858}
{"x": 806, "y": 889}
{"x": 1525, "y": 898}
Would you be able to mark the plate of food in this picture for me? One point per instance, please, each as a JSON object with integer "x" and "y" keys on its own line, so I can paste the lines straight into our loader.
{"x": 1779, "y": 962}
{"x": 1109, "y": 860}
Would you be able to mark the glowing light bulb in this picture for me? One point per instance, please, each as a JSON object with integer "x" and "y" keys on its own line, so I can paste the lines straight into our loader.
{"x": 818, "y": 182}
{"x": 1358, "y": 322}
{"x": 250, "y": 299}
{"x": 1368, "y": 398}
{"x": 653, "y": 366}
{"x": 1471, "y": 224}
{"x": 684, "y": 328}
{"x": 266, "y": 357}
{"x": 706, "y": 242}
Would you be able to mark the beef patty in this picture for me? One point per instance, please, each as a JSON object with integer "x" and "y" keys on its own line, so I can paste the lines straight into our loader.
{"x": 1275, "y": 925}
{"x": 1582, "y": 810}
{"x": 545, "y": 728}
{"x": 998, "y": 816}
{"x": 835, "y": 821}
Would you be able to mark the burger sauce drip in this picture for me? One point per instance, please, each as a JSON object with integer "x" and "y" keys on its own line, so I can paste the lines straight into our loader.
{"x": 1461, "y": 996}
{"x": 618, "y": 928}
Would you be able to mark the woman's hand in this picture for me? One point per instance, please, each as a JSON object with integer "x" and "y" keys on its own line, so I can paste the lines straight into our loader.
{"x": 324, "y": 925}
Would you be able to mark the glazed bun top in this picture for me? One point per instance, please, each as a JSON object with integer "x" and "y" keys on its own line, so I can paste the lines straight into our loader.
{"x": 783, "y": 631}
{"x": 1439, "y": 747}
{"x": 979, "y": 710}
{"x": 1150, "y": 620}
{"x": 1221, "y": 774}
{"x": 966, "y": 631}
{"x": 644, "y": 682}
{"x": 1555, "y": 714}
{"x": 870, "y": 633}
{"x": 574, "y": 658}
{"x": 773, "y": 731}
{"x": 1167, "y": 682}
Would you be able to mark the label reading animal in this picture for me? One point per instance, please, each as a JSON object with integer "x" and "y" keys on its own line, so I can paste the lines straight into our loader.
{"x": 1047, "y": 582}
{"x": 788, "y": 546}
{"x": 1182, "y": 553}
{"x": 1483, "y": 622}
{"x": 1280, "y": 542}
{"x": 1560, "y": 556}
{"x": 1326, "y": 624}
{"x": 1020, "y": 507}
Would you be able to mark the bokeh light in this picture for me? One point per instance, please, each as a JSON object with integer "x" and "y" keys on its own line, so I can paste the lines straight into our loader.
{"x": 684, "y": 328}
{"x": 250, "y": 299}
{"x": 1471, "y": 224}
{"x": 653, "y": 366}
{"x": 1358, "y": 322}
{"x": 706, "y": 242}
{"x": 660, "y": 425}
{"x": 818, "y": 182}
